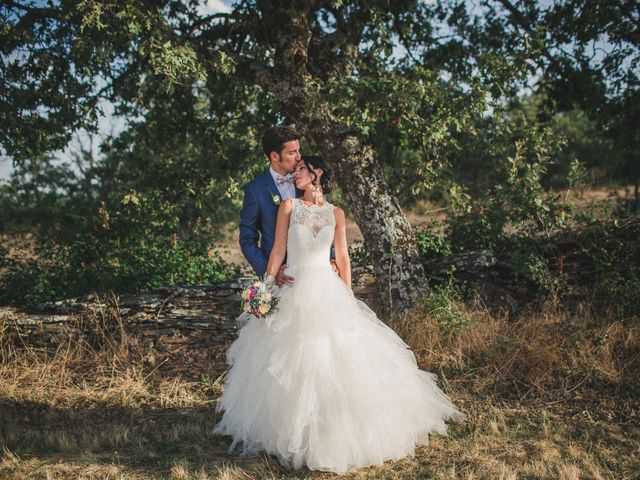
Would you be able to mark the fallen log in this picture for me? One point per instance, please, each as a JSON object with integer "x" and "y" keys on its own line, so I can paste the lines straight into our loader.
{"x": 177, "y": 314}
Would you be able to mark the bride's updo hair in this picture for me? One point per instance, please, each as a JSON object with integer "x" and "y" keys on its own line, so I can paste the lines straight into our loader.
{"x": 326, "y": 180}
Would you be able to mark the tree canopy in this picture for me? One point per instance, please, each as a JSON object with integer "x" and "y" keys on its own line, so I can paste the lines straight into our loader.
{"x": 406, "y": 99}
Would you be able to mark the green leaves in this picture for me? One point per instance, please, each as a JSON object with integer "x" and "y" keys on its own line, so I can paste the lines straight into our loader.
{"x": 444, "y": 305}
{"x": 92, "y": 13}
{"x": 175, "y": 64}
{"x": 124, "y": 244}
{"x": 434, "y": 87}
{"x": 518, "y": 203}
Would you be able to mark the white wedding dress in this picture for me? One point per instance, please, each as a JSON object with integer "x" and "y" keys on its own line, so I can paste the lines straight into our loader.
{"x": 322, "y": 382}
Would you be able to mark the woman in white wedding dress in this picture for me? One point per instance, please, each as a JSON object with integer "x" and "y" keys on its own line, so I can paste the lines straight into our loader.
{"x": 322, "y": 382}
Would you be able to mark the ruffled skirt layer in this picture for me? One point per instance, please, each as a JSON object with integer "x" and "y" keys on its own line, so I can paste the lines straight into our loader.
{"x": 322, "y": 382}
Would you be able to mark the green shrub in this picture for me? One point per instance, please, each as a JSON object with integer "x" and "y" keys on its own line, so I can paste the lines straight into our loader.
{"x": 432, "y": 245}
{"x": 443, "y": 304}
{"x": 613, "y": 252}
{"x": 129, "y": 246}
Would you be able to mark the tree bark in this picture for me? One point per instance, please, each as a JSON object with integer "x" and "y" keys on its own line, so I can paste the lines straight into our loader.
{"x": 388, "y": 236}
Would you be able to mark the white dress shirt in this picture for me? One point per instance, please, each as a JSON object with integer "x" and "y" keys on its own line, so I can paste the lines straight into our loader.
{"x": 286, "y": 190}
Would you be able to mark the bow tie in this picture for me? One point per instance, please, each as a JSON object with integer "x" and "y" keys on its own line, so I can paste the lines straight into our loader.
{"x": 286, "y": 179}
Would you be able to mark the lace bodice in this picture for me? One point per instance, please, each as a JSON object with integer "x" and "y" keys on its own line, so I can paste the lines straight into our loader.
{"x": 311, "y": 229}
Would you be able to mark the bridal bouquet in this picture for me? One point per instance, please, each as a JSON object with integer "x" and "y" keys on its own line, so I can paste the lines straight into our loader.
{"x": 259, "y": 299}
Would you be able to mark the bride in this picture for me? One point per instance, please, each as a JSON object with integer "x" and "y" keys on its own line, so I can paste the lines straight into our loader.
{"x": 322, "y": 382}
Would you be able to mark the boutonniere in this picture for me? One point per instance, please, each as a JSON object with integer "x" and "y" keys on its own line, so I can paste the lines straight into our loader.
{"x": 275, "y": 198}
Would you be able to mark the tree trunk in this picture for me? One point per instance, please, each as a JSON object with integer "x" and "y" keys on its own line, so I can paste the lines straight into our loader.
{"x": 388, "y": 236}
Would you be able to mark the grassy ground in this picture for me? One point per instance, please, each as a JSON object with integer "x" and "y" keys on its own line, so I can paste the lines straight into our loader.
{"x": 549, "y": 395}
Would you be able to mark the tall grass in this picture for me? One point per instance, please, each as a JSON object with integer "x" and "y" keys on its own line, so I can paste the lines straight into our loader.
{"x": 549, "y": 394}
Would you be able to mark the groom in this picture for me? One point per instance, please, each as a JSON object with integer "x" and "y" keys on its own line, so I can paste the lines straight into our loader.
{"x": 263, "y": 195}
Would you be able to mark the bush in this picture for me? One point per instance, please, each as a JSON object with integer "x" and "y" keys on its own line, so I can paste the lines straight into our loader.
{"x": 517, "y": 216}
{"x": 432, "y": 245}
{"x": 443, "y": 304}
{"x": 129, "y": 246}
{"x": 612, "y": 273}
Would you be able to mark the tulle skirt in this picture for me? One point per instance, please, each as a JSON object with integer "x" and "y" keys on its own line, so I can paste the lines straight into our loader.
{"x": 323, "y": 383}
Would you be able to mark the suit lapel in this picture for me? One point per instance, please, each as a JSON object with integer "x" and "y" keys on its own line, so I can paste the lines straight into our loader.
{"x": 270, "y": 187}
{"x": 269, "y": 184}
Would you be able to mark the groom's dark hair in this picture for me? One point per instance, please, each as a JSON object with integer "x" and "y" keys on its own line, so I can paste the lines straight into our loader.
{"x": 274, "y": 139}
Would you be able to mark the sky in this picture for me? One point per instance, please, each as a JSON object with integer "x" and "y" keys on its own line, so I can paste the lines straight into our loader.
{"x": 108, "y": 123}
{"x": 5, "y": 167}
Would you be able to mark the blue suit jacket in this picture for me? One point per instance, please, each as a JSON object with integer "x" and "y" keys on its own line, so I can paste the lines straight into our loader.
{"x": 258, "y": 221}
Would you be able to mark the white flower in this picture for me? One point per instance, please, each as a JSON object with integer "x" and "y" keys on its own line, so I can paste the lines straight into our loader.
{"x": 276, "y": 199}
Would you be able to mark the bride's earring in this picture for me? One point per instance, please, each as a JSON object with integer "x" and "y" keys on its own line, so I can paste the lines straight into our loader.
{"x": 317, "y": 192}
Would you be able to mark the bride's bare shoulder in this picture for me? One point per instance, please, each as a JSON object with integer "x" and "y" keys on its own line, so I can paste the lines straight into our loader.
{"x": 338, "y": 213}
{"x": 286, "y": 205}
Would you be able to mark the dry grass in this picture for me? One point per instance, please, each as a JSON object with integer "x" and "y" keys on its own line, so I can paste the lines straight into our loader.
{"x": 550, "y": 395}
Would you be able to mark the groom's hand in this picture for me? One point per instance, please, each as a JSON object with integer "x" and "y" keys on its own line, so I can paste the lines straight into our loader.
{"x": 281, "y": 278}
{"x": 334, "y": 265}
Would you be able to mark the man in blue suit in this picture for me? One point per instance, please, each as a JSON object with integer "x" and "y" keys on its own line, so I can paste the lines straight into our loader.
{"x": 263, "y": 195}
